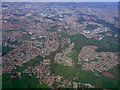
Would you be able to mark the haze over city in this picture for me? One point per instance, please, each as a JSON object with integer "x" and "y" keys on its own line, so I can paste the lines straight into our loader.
{"x": 59, "y": 45}
{"x": 60, "y": 0}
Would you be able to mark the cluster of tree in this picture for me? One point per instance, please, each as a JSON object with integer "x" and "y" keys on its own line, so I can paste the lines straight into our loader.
{"x": 107, "y": 24}
{"x": 18, "y": 14}
{"x": 6, "y": 49}
{"x": 108, "y": 44}
{"x": 91, "y": 27}
{"x": 81, "y": 20}
{"x": 51, "y": 18}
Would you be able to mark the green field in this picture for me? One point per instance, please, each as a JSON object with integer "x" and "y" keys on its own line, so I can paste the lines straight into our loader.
{"x": 84, "y": 76}
{"x": 67, "y": 72}
{"x": 108, "y": 82}
{"x": 76, "y": 71}
{"x": 28, "y": 38}
{"x": 74, "y": 56}
{"x": 24, "y": 82}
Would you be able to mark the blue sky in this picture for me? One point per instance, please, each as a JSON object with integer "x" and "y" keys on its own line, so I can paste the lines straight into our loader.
{"x": 61, "y": 0}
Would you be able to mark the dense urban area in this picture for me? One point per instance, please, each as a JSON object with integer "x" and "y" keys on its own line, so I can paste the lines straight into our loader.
{"x": 59, "y": 45}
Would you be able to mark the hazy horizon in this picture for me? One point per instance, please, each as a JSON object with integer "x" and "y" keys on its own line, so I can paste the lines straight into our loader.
{"x": 60, "y": 1}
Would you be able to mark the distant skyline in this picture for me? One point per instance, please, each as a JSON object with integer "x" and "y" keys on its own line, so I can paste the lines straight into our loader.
{"x": 60, "y": 0}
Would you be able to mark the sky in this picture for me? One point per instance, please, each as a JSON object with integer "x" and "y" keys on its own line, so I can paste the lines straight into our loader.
{"x": 60, "y": 0}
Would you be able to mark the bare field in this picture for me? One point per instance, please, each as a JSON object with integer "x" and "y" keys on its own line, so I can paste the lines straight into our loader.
{"x": 108, "y": 75}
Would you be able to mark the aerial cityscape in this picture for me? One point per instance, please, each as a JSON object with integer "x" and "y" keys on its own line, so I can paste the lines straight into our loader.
{"x": 59, "y": 45}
